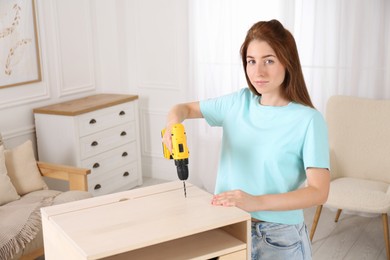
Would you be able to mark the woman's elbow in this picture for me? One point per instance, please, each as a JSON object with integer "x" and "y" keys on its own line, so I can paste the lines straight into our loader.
{"x": 323, "y": 197}
{"x": 319, "y": 179}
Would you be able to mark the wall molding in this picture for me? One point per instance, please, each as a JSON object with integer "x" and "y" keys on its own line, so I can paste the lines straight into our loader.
{"x": 26, "y": 100}
{"x": 16, "y": 133}
{"x": 145, "y": 118}
{"x": 63, "y": 89}
{"x": 145, "y": 82}
{"x": 77, "y": 90}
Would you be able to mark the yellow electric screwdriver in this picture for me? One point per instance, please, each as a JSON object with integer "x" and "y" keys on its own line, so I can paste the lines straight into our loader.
{"x": 179, "y": 153}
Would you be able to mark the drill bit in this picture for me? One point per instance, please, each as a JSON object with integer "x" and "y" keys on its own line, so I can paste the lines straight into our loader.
{"x": 185, "y": 190}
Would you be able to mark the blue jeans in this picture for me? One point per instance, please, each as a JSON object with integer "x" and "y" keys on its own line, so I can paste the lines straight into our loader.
{"x": 279, "y": 241}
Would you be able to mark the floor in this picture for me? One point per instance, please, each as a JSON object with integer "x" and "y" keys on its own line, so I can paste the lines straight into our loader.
{"x": 352, "y": 238}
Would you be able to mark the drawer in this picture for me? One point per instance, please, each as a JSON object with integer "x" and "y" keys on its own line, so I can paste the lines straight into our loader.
{"x": 112, "y": 159}
{"x": 92, "y": 145}
{"x": 112, "y": 181}
{"x": 105, "y": 118}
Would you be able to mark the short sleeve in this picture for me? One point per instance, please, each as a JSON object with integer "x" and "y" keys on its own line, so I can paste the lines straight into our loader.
{"x": 214, "y": 110}
{"x": 316, "y": 144}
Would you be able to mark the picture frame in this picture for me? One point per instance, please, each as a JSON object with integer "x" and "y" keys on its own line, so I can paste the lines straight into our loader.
{"x": 19, "y": 49}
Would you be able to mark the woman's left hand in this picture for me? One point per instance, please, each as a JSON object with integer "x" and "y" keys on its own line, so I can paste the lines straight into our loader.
{"x": 235, "y": 198}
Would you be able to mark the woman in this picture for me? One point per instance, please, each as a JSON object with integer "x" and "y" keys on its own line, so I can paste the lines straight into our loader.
{"x": 273, "y": 141}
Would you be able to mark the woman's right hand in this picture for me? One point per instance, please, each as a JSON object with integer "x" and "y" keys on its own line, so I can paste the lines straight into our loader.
{"x": 178, "y": 114}
{"x": 167, "y": 138}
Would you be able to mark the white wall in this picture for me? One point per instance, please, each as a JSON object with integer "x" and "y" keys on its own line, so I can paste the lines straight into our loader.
{"x": 118, "y": 46}
{"x": 156, "y": 36}
{"x": 65, "y": 33}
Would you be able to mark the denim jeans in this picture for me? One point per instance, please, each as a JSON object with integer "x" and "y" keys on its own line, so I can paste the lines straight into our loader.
{"x": 279, "y": 241}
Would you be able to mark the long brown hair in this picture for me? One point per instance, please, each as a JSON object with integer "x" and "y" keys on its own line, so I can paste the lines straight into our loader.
{"x": 283, "y": 43}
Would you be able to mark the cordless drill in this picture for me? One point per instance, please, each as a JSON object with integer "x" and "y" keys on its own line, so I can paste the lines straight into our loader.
{"x": 180, "y": 152}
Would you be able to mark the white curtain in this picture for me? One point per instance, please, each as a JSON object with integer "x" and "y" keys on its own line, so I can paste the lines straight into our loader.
{"x": 343, "y": 46}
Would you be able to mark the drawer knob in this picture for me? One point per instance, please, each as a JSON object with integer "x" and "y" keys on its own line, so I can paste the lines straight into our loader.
{"x": 125, "y": 174}
{"x": 123, "y": 133}
{"x": 96, "y": 165}
{"x": 124, "y": 154}
{"x": 94, "y": 143}
{"x": 92, "y": 121}
{"x": 97, "y": 186}
{"x": 122, "y": 113}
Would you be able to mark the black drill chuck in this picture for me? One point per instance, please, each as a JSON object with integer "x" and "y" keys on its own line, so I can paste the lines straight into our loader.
{"x": 182, "y": 169}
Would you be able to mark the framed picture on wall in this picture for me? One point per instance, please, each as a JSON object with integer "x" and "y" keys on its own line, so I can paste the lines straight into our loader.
{"x": 19, "y": 49}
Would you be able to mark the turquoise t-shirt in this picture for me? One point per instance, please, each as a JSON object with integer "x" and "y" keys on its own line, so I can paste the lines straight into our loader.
{"x": 266, "y": 149}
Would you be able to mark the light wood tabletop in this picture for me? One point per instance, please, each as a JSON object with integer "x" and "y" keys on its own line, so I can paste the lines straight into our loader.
{"x": 134, "y": 220}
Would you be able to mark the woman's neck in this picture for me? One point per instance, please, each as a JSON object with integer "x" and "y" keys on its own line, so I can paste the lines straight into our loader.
{"x": 274, "y": 101}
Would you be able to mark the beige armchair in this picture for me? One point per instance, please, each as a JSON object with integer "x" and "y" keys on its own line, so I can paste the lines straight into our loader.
{"x": 359, "y": 139}
{"x": 23, "y": 192}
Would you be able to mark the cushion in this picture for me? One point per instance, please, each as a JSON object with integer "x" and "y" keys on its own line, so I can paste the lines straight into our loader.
{"x": 7, "y": 190}
{"x": 359, "y": 195}
{"x": 23, "y": 170}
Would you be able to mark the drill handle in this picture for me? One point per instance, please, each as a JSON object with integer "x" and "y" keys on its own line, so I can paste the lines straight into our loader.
{"x": 167, "y": 154}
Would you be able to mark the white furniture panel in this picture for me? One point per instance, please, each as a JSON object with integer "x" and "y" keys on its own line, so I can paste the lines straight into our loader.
{"x": 155, "y": 222}
{"x": 98, "y": 120}
{"x": 114, "y": 180}
{"x": 106, "y": 140}
{"x": 111, "y": 159}
{"x": 99, "y": 132}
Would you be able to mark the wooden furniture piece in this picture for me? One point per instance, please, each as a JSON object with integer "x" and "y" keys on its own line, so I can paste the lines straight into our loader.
{"x": 154, "y": 222}
{"x": 359, "y": 155}
{"x": 77, "y": 177}
{"x": 99, "y": 132}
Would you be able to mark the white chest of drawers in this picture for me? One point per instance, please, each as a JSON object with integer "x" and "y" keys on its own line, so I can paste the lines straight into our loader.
{"x": 99, "y": 132}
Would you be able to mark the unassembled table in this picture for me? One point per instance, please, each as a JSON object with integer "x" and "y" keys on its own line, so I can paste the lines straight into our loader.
{"x": 155, "y": 222}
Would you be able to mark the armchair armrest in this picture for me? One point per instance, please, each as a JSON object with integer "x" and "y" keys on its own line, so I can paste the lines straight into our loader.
{"x": 77, "y": 177}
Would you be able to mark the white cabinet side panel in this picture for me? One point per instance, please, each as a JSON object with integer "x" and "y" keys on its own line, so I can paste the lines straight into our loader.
{"x": 57, "y": 139}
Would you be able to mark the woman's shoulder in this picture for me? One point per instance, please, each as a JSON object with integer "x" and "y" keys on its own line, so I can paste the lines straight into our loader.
{"x": 240, "y": 95}
{"x": 306, "y": 110}
{"x": 247, "y": 95}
